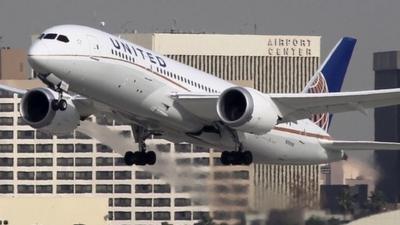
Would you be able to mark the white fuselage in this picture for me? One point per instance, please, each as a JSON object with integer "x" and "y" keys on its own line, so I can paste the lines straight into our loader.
{"x": 137, "y": 84}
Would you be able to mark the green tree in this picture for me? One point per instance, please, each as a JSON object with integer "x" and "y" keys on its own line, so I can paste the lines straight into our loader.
{"x": 315, "y": 221}
{"x": 206, "y": 220}
{"x": 376, "y": 202}
{"x": 346, "y": 202}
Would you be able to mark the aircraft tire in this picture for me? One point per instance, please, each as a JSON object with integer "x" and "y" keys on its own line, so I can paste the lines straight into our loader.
{"x": 129, "y": 158}
{"x": 151, "y": 158}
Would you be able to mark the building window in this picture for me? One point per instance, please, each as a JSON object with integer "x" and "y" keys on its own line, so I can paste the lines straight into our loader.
{"x": 66, "y": 136}
{"x": 143, "y": 215}
{"x": 26, "y": 175}
{"x": 122, "y": 188}
{"x": 6, "y": 148}
{"x": 182, "y": 202}
{"x": 6, "y": 175}
{"x": 6, "y": 107}
{"x": 44, "y": 189}
{"x": 21, "y": 121}
{"x": 119, "y": 161}
{"x": 104, "y": 175}
{"x": 64, "y": 189}
{"x": 44, "y": 148}
{"x": 200, "y": 149}
{"x": 103, "y": 148}
{"x": 122, "y": 202}
{"x": 185, "y": 215}
{"x": 183, "y": 161}
{"x": 139, "y": 202}
{"x": 6, "y": 94}
{"x": 48, "y": 175}
{"x": 162, "y": 216}
{"x": 43, "y": 135}
{"x": 6, "y": 121}
{"x": 162, "y": 188}
{"x": 26, "y": 162}
{"x": 122, "y": 215}
{"x": 104, "y": 188}
{"x": 6, "y": 161}
{"x": 200, "y": 215}
{"x": 143, "y": 188}
{"x": 79, "y": 189}
{"x": 83, "y": 161}
{"x": 204, "y": 161}
{"x": 182, "y": 148}
{"x": 25, "y": 189}
{"x": 65, "y": 148}
{"x": 6, "y": 189}
{"x": 83, "y": 175}
{"x": 222, "y": 175}
{"x": 65, "y": 175}
{"x": 104, "y": 161}
{"x": 79, "y": 135}
{"x": 123, "y": 175}
{"x": 26, "y": 134}
{"x": 24, "y": 148}
{"x": 243, "y": 174}
{"x": 162, "y": 202}
{"x": 143, "y": 175}
{"x": 163, "y": 147}
{"x": 83, "y": 148}
{"x": 6, "y": 134}
{"x": 222, "y": 215}
{"x": 65, "y": 161}
{"x": 103, "y": 120}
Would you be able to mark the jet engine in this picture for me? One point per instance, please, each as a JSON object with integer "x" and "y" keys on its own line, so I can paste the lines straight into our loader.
{"x": 247, "y": 110}
{"x": 37, "y": 111}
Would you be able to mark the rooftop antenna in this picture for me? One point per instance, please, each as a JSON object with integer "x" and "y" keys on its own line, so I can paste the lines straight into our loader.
{"x": 173, "y": 27}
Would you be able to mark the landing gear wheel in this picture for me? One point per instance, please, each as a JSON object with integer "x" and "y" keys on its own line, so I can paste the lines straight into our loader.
{"x": 151, "y": 158}
{"x": 62, "y": 105}
{"x": 224, "y": 158}
{"x": 54, "y": 105}
{"x": 129, "y": 158}
{"x": 247, "y": 158}
{"x": 236, "y": 158}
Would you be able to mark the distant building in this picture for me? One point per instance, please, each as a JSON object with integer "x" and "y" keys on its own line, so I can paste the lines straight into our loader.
{"x": 331, "y": 196}
{"x": 61, "y": 210}
{"x": 13, "y": 64}
{"x": 387, "y": 126}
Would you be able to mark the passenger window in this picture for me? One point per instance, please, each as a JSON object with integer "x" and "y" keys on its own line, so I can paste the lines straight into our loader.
{"x": 63, "y": 38}
{"x": 50, "y": 36}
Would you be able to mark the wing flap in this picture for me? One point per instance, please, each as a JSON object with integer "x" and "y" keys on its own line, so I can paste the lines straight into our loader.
{"x": 300, "y": 106}
{"x": 359, "y": 145}
{"x": 202, "y": 105}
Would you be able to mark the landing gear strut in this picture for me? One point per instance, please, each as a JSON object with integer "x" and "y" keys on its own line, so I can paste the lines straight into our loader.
{"x": 57, "y": 85}
{"x": 140, "y": 157}
{"x": 238, "y": 157}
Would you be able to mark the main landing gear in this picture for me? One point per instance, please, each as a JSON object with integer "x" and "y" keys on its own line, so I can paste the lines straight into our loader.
{"x": 140, "y": 157}
{"x": 57, "y": 85}
{"x": 238, "y": 157}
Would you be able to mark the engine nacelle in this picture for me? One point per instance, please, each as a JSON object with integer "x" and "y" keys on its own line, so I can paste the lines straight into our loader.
{"x": 37, "y": 111}
{"x": 247, "y": 110}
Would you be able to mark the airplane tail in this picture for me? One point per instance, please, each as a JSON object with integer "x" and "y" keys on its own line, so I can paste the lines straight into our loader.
{"x": 329, "y": 77}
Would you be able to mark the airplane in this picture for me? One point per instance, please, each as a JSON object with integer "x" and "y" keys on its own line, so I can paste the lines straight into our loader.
{"x": 91, "y": 72}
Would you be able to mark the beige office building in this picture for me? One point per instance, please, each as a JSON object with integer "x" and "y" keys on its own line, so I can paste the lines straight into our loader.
{"x": 13, "y": 64}
{"x": 189, "y": 181}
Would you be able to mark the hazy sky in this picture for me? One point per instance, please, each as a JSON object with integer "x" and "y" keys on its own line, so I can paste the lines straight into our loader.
{"x": 374, "y": 22}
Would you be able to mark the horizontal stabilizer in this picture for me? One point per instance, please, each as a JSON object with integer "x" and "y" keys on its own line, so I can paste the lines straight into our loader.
{"x": 359, "y": 145}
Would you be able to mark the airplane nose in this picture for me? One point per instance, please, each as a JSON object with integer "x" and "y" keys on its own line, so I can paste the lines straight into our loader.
{"x": 37, "y": 56}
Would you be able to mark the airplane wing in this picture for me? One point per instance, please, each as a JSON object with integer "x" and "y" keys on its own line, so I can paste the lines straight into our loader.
{"x": 293, "y": 107}
{"x": 12, "y": 89}
{"x": 359, "y": 145}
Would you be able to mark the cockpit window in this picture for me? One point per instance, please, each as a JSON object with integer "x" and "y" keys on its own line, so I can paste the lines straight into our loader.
{"x": 63, "y": 38}
{"x": 50, "y": 36}
{"x": 41, "y": 36}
